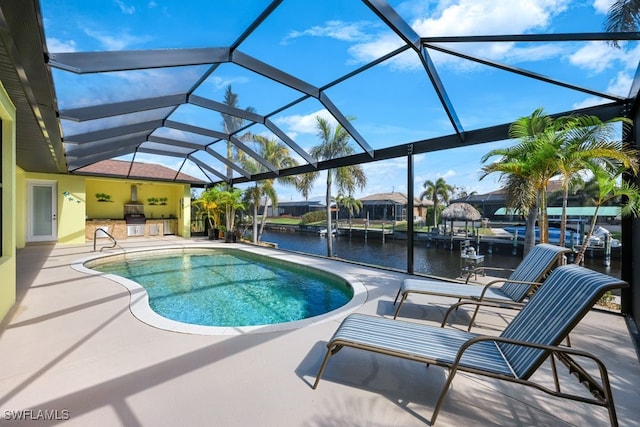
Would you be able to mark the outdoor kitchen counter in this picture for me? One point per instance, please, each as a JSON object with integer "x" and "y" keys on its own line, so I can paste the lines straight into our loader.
{"x": 118, "y": 227}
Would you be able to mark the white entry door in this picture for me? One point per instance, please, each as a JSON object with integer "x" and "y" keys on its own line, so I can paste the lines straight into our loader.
{"x": 42, "y": 222}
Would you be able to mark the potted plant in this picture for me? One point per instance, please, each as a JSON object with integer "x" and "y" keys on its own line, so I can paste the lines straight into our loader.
{"x": 209, "y": 203}
{"x": 103, "y": 197}
{"x": 152, "y": 201}
{"x": 230, "y": 201}
{"x": 163, "y": 200}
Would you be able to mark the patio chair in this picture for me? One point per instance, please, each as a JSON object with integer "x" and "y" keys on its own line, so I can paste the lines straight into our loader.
{"x": 532, "y": 337}
{"x": 509, "y": 292}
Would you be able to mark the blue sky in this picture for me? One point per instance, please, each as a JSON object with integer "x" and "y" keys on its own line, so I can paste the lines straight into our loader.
{"x": 393, "y": 103}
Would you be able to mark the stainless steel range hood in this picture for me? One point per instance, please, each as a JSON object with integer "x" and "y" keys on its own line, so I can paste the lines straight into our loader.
{"x": 134, "y": 214}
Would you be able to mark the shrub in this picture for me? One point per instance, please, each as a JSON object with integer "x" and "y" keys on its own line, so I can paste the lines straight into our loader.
{"x": 314, "y": 216}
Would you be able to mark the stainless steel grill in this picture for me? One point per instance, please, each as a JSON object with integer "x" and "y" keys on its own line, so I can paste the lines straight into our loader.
{"x": 135, "y": 219}
{"x": 134, "y": 214}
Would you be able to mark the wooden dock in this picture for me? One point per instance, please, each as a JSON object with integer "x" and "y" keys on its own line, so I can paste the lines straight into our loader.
{"x": 373, "y": 233}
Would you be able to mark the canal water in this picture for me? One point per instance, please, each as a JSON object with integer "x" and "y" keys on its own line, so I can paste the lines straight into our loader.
{"x": 437, "y": 261}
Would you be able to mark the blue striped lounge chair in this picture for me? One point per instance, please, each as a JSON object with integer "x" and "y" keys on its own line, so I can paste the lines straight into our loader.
{"x": 529, "y": 274}
{"x": 522, "y": 347}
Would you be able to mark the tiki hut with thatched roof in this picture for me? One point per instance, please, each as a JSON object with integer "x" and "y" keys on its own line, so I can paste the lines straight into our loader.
{"x": 460, "y": 212}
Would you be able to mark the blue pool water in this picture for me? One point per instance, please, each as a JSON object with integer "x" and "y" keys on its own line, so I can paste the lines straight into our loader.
{"x": 225, "y": 287}
{"x": 570, "y": 238}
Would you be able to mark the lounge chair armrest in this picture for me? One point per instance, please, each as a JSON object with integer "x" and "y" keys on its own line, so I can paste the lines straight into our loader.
{"x": 599, "y": 389}
{"x": 563, "y": 353}
{"x": 502, "y": 281}
{"x": 549, "y": 348}
{"x": 510, "y": 305}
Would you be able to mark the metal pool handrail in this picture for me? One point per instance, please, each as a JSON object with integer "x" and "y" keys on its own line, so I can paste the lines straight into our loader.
{"x": 113, "y": 239}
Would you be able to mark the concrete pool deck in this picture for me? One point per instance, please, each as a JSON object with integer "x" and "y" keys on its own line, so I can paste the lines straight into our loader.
{"x": 71, "y": 345}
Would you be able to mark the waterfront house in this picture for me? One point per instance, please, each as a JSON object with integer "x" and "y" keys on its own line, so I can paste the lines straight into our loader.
{"x": 392, "y": 206}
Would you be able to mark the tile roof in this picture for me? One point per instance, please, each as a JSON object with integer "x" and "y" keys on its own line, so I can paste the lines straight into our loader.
{"x": 399, "y": 198}
{"x": 137, "y": 170}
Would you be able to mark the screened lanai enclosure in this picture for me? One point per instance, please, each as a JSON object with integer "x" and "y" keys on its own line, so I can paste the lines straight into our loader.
{"x": 184, "y": 84}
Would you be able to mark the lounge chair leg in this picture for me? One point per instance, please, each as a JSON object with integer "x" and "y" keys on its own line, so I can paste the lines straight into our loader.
{"x": 331, "y": 349}
{"x": 443, "y": 395}
{"x": 473, "y": 318}
{"x": 611, "y": 407}
{"x": 397, "y": 295}
{"x": 554, "y": 369}
{"x": 404, "y": 297}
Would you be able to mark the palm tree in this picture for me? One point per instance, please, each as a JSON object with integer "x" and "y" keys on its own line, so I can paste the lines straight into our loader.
{"x": 352, "y": 205}
{"x": 609, "y": 191}
{"x": 462, "y": 192}
{"x": 231, "y": 124}
{"x": 587, "y": 145}
{"x": 278, "y": 155}
{"x": 230, "y": 201}
{"x": 209, "y": 203}
{"x": 304, "y": 183}
{"x": 527, "y": 168}
{"x": 253, "y": 198}
{"x": 334, "y": 144}
{"x": 623, "y": 16}
{"x": 437, "y": 192}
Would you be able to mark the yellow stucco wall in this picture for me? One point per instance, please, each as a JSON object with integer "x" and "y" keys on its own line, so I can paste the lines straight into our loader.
{"x": 71, "y": 205}
{"x": 76, "y": 202}
{"x": 184, "y": 219}
{"x": 8, "y": 256}
{"x": 120, "y": 193}
{"x": 21, "y": 208}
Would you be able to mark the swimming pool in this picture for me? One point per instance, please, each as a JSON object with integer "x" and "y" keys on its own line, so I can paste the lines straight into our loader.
{"x": 212, "y": 291}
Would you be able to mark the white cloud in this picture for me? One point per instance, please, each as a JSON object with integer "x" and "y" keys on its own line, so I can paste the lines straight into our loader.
{"x": 113, "y": 41}
{"x": 221, "y": 82}
{"x": 380, "y": 170}
{"x": 602, "y": 6}
{"x": 56, "y": 45}
{"x": 588, "y": 102}
{"x": 597, "y": 56}
{"x": 471, "y": 17}
{"x": 480, "y": 17}
{"x": 304, "y": 124}
{"x": 630, "y": 58}
{"x": 385, "y": 43}
{"x": 126, "y": 9}
{"x": 476, "y": 17}
{"x": 339, "y": 30}
{"x": 450, "y": 17}
{"x": 146, "y": 83}
{"x": 538, "y": 52}
{"x": 448, "y": 174}
{"x": 618, "y": 86}
{"x": 621, "y": 84}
